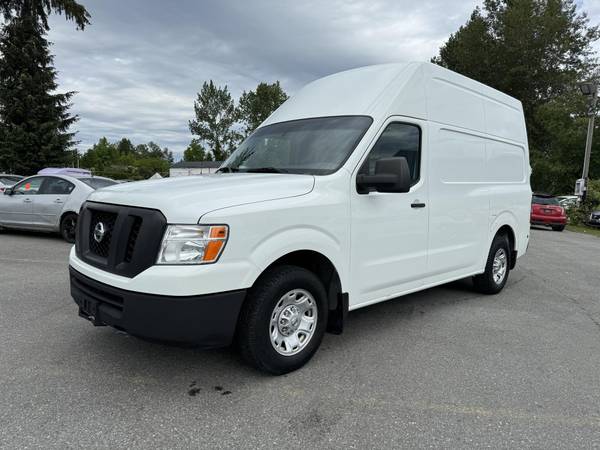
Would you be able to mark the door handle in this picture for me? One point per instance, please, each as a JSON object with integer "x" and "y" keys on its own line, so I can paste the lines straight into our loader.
{"x": 417, "y": 204}
{"x": 27, "y": 200}
{"x": 58, "y": 200}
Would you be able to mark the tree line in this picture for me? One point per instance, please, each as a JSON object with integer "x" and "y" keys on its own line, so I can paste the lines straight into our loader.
{"x": 534, "y": 50}
{"x": 123, "y": 160}
{"x": 219, "y": 125}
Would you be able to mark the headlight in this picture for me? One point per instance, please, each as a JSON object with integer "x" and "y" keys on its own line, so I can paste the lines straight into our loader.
{"x": 192, "y": 244}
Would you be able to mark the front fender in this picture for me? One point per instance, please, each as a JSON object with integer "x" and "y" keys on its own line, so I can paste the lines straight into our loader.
{"x": 286, "y": 241}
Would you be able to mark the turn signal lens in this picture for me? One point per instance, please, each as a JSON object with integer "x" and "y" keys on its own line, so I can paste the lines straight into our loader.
{"x": 192, "y": 244}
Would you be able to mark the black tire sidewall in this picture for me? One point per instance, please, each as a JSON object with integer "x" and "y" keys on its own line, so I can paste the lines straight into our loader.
{"x": 62, "y": 227}
{"x": 264, "y": 297}
{"x": 499, "y": 242}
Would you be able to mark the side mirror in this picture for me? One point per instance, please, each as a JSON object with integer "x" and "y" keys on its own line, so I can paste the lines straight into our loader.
{"x": 8, "y": 191}
{"x": 391, "y": 175}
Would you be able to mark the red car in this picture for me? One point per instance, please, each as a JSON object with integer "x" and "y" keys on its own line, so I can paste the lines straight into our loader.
{"x": 546, "y": 210}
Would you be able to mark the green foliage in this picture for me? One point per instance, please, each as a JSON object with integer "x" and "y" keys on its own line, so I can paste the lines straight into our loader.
{"x": 215, "y": 117}
{"x": 34, "y": 119}
{"x": 196, "y": 152}
{"x": 580, "y": 215}
{"x": 123, "y": 160}
{"x": 41, "y": 9}
{"x": 255, "y": 106}
{"x": 218, "y": 121}
{"x": 536, "y": 51}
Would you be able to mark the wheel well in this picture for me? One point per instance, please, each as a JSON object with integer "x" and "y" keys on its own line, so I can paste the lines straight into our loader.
{"x": 66, "y": 213}
{"x": 324, "y": 269}
{"x": 507, "y": 231}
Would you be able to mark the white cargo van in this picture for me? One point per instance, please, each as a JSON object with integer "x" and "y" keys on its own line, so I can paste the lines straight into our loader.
{"x": 366, "y": 185}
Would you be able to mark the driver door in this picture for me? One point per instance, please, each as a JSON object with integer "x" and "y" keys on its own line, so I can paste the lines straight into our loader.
{"x": 389, "y": 230}
{"x": 17, "y": 209}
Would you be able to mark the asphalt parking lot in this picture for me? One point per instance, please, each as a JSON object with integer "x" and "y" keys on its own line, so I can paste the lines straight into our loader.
{"x": 442, "y": 368}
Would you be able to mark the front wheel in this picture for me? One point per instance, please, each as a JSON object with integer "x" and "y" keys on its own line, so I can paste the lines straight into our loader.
{"x": 283, "y": 320}
{"x": 68, "y": 227}
{"x": 496, "y": 269}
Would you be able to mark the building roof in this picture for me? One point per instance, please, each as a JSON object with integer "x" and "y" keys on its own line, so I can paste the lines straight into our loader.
{"x": 197, "y": 165}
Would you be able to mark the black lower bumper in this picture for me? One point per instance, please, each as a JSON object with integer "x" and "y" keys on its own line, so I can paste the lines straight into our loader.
{"x": 205, "y": 320}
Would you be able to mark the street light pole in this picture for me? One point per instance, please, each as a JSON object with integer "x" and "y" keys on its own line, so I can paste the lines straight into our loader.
{"x": 590, "y": 136}
{"x": 589, "y": 89}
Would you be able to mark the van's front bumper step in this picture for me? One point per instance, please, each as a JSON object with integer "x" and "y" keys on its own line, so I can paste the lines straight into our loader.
{"x": 204, "y": 320}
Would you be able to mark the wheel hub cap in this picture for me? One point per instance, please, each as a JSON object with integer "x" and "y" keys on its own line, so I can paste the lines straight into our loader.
{"x": 499, "y": 266}
{"x": 293, "y": 322}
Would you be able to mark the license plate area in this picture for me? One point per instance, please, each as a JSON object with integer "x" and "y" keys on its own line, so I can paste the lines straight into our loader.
{"x": 88, "y": 309}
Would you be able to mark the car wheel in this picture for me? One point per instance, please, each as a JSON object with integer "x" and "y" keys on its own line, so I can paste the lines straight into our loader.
{"x": 496, "y": 269}
{"x": 68, "y": 227}
{"x": 283, "y": 320}
{"x": 558, "y": 227}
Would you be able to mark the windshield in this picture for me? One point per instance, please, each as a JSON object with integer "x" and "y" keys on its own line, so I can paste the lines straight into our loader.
{"x": 312, "y": 146}
{"x": 545, "y": 200}
{"x": 8, "y": 179}
{"x": 97, "y": 183}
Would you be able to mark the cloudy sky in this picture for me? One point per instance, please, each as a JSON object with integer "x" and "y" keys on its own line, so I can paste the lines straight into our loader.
{"x": 138, "y": 67}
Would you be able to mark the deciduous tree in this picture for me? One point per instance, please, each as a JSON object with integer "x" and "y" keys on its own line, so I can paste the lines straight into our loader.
{"x": 255, "y": 106}
{"x": 215, "y": 117}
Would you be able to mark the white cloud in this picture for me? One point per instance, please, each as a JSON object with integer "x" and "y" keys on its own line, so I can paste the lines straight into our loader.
{"x": 138, "y": 67}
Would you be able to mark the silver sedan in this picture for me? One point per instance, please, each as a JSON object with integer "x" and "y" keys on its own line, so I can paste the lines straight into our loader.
{"x": 47, "y": 203}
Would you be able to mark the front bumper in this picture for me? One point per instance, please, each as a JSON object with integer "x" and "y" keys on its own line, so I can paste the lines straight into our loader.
{"x": 205, "y": 320}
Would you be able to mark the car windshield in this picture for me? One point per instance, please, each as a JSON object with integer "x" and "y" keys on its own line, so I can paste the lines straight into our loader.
{"x": 316, "y": 146}
{"x": 8, "y": 179}
{"x": 545, "y": 200}
{"x": 97, "y": 183}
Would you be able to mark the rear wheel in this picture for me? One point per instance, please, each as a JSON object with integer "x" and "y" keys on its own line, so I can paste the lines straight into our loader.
{"x": 68, "y": 227}
{"x": 496, "y": 269}
{"x": 558, "y": 227}
{"x": 283, "y": 320}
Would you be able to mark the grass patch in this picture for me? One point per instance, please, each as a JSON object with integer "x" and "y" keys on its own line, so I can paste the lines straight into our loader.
{"x": 584, "y": 230}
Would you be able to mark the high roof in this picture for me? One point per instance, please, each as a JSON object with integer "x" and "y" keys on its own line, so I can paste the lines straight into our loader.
{"x": 418, "y": 89}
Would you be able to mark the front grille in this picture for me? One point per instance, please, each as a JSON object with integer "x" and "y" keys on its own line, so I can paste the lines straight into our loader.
{"x": 131, "y": 239}
{"x": 133, "y": 235}
{"x": 107, "y": 219}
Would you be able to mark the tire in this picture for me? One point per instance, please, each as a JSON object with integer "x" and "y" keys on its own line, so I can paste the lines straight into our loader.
{"x": 68, "y": 227}
{"x": 558, "y": 227}
{"x": 268, "y": 313}
{"x": 488, "y": 282}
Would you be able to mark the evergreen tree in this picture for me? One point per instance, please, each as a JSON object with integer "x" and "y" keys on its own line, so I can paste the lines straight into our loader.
{"x": 536, "y": 51}
{"x": 34, "y": 119}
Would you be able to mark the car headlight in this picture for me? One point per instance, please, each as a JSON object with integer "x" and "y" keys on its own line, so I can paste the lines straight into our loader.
{"x": 192, "y": 244}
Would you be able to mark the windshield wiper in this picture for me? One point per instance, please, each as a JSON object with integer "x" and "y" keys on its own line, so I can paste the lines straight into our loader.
{"x": 266, "y": 170}
{"x": 227, "y": 169}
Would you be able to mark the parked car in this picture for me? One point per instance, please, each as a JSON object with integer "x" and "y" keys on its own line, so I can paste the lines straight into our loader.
{"x": 47, "y": 203}
{"x": 594, "y": 219}
{"x": 546, "y": 211}
{"x": 568, "y": 201}
{"x": 364, "y": 186}
{"x": 8, "y": 180}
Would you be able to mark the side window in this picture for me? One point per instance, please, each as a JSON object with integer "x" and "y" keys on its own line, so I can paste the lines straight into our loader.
{"x": 398, "y": 139}
{"x": 30, "y": 186}
{"x": 56, "y": 186}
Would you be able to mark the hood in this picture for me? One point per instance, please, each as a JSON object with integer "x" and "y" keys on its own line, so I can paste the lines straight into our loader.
{"x": 186, "y": 199}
